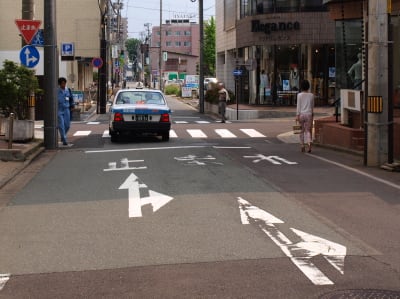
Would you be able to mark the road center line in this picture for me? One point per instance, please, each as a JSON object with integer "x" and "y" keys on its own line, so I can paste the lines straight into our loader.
{"x": 359, "y": 172}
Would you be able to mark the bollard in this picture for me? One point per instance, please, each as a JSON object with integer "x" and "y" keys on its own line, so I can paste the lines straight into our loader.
{"x": 10, "y": 130}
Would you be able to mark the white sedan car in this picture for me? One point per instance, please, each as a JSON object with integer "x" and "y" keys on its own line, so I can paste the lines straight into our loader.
{"x": 138, "y": 112}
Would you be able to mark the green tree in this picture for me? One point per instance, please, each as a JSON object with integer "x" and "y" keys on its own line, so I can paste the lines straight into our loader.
{"x": 16, "y": 84}
{"x": 209, "y": 47}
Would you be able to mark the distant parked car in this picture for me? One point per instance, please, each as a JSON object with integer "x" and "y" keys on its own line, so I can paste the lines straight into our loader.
{"x": 138, "y": 112}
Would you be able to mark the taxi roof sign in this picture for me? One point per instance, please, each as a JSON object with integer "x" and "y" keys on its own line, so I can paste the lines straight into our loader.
{"x": 28, "y": 28}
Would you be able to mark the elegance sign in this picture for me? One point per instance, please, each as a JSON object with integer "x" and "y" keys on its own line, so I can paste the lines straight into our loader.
{"x": 268, "y": 28}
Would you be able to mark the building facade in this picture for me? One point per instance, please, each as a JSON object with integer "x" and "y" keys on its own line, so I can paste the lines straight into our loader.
{"x": 275, "y": 45}
{"x": 180, "y": 42}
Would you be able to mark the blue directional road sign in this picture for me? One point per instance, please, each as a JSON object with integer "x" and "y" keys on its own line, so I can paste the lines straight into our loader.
{"x": 29, "y": 56}
{"x": 237, "y": 72}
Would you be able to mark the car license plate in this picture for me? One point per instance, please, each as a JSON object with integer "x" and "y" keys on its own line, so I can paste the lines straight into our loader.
{"x": 141, "y": 117}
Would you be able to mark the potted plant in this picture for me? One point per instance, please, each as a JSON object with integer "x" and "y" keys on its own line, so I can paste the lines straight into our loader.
{"x": 17, "y": 83}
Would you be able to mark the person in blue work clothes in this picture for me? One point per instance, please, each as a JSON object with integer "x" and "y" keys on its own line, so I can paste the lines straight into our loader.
{"x": 63, "y": 112}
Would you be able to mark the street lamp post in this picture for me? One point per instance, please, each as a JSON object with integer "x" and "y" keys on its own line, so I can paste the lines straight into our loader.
{"x": 160, "y": 53}
{"x": 201, "y": 58}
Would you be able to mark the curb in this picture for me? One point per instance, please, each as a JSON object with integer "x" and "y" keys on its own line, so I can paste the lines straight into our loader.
{"x": 29, "y": 155}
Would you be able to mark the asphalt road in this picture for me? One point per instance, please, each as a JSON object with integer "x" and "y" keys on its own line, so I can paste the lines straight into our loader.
{"x": 200, "y": 216}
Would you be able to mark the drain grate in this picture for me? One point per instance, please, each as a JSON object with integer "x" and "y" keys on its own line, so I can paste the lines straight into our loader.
{"x": 362, "y": 294}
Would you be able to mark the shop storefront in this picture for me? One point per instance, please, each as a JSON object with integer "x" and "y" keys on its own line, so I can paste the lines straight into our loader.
{"x": 282, "y": 43}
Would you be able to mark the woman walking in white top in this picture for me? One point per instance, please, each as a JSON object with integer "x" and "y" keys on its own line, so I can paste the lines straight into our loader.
{"x": 305, "y": 114}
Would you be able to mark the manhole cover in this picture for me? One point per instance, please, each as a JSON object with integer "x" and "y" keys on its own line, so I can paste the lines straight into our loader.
{"x": 362, "y": 294}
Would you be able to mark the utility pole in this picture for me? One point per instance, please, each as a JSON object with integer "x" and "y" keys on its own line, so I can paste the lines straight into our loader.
{"x": 378, "y": 66}
{"x": 201, "y": 62}
{"x": 160, "y": 53}
{"x": 50, "y": 75}
{"x": 27, "y": 13}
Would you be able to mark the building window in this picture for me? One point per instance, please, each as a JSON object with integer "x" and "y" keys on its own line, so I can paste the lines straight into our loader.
{"x": 168, "y": 33}
{"x": 177, "y": 33}
{"x": 158, "y": 33}
{"x": 177, "y": 44}
{"x": 187, "y": 44}
{"x": 187, "y": 33}
{"x": 168, "y": 44}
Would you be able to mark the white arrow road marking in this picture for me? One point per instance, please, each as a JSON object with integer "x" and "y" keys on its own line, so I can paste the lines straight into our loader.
{"x": 29, "y": 59}
{"x": 3, "y": 280}
{"x": 157, "y": 200}
{"x": 272, "y": 159}
{"x": 300, "y": 253}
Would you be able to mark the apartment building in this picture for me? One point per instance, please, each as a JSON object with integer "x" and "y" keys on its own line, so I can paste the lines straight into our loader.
{"x": 180, "y": 41}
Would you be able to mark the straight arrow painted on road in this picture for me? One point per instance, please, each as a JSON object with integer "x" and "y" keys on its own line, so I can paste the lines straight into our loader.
{"x": 300, "y": 253}
{"x": 155, "y": 199}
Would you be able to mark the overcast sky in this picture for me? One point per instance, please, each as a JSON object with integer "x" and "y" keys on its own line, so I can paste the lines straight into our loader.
{"x": 140, "y": 12}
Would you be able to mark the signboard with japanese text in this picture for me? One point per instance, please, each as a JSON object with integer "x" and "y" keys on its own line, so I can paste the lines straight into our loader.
{"x": 28, "y": 28}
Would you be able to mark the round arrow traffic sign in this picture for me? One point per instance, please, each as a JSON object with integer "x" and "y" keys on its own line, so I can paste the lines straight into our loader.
{"x": 29, "y": 56}
{"x": 97, "y": 62}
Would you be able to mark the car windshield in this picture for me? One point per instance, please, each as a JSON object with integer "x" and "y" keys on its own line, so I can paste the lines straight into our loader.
{"x": 139, "y": 97}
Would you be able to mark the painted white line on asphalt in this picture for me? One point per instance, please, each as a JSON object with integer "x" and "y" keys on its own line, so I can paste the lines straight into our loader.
{"x": 224, "y": 133}
{"x": 82, "y": 133}
{"x": 144, "y": 149}
{"x": 202, "y": 122}
{"x": 181, "y": 122}
{"x": 252, "y": 133}
{"x": 196, "y": 133}
{"x": 179, "y": 116}
{"x": 106, "y": 134}
{"x": 172, "y": 134}
{"x": 232, "y": 147}
{"x": 93, "y": 123}
{"x": 396, "y": 186}
{"x": 3, "y": 280}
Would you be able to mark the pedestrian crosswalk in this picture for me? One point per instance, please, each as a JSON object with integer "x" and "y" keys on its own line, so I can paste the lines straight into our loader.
{"x": 197, "y": 122}
{"x": 182, "y": 132}
{"x": 195, "y": 133}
